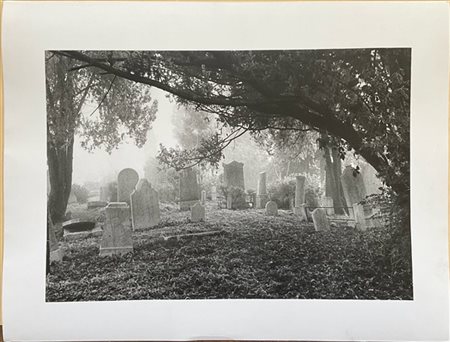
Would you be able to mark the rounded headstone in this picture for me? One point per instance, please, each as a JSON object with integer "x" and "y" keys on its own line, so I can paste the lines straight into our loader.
{"x": 126, "y": 183}
{"x": 271, "y": 208}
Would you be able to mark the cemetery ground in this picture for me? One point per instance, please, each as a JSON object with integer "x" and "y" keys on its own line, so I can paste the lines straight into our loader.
{"x": 241, "y": 254}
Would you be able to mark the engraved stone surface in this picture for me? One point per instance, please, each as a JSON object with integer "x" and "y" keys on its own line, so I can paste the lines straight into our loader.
{"x": 126, "y": 183}
{"x": 197, "y": 212}
{"x": 233, "y": 175}
{"x": 189, "y": 189}
{"x": 117, "y": 238}
{"x": 145, "y": 211}
{"x": 320, "y": 220}
{"x": 271, "y": 208}
{"x": 353, "y": 186}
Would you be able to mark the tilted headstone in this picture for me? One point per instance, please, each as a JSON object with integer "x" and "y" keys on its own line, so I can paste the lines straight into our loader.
{"x": 271, "y": 208}
{"x": 360, "y": 217}
{"x": 145, "y": 211}
{"x": 320, "y": 220}
{"x": 214, "y": 193}
{"x": 189, "y": 189}
{"x": 353, "y": 186}
{"x": 56, "y": 252}
{"x": 126, "y": 183}
{"x": 72, "y": 198}
{"x": 327, "y": 204}
{"x": 261, "y": 196}
{"x": 197, "y": 212}
{"x": 233, "y": 175}
{"x": 203, "y": 196}
{"x": 117, "y": 233}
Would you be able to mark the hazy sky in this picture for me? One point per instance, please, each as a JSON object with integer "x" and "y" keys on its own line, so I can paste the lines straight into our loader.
{"x": 101, "y": 166}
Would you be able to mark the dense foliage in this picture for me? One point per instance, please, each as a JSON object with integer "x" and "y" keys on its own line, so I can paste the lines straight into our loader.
{"x": 256, "y": 257}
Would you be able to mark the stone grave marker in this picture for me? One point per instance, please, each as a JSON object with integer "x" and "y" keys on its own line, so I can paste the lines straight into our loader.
{"x": 328, "y": 204}
{"x": 271, "y": 208}
{"x": 145, "y": 211}
{"x": 203, "y": 196}
{"x": 189, "y": 189}
{"x": 117, "y": 238}
{"x": 320, "y": 220}
{"x": 233, "y": 175}
{"x": 126, "y": 183}
{"x": 105, "y": 193}
{"x": 197, "y": 212}
{"x": 261, "y": 195}
{"x": 353, "y": 186}
{"x": 360, "y": 217}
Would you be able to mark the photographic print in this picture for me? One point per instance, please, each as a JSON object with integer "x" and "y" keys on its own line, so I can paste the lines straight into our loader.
{"x": 228, "y": 174}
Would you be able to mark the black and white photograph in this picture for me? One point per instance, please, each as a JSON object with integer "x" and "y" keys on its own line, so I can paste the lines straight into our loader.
{"x": 228, "y": 174}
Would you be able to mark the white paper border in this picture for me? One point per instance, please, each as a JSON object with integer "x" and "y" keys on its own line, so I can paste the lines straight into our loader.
{"x": 32, "y": 27}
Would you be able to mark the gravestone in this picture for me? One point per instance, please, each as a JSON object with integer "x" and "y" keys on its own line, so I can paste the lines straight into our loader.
{"x": 203, "y": 196}
{"x": 189, "y": 189}
{"x": 271, "y": 208}
{"x": 214, "y": 193}
{"x": 96, "y": 204}
{"x": 197, "y": 212}
{"x": 360, "y": 217}
{"x": 328, "y": 204}
{"x": 126, "y": 183}
{"x": 145, "y": 211}
{"x": 320, "y": 220}
{"x": 56, "y": 252}
{"x": 353, "y": 186}
{"x": 301, "y": 212}
{"x": 261, "y": 195}
{"x": 229, "y": 202}
{"x": 117, "y": 237}
{"x": 371, "y": 182}
{"x": 233, "y": 175}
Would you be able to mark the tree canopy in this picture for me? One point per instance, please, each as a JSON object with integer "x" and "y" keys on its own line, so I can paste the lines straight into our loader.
{"x": 358, "y": 96}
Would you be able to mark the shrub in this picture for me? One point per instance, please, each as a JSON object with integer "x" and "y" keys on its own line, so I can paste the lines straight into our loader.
{"x": 283, "y": 192}
{"x": 237, "y": 196}
{"x": 81, "y": 193}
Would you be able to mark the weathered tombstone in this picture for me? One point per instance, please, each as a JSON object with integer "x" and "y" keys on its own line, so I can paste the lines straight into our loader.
{"x": 203, "y": 196}
{"x": 371, "y": 182}
{"x": 320, "y": 220}
{"x": 353, "y": 186}
{"x": 271, "y": 208}
{"x": 328, "y": 204}
{"x": 261, "y": 196}
{"x": 229, "y": 202}
{"x": 117, "y": 237}
{"x": 126, "y": 183}
{"x": 145, "y": 211}
{"x": 233, "y": 175}
{"x": 197, "y": 212}
{"x": 189, "y": 189}
{"x": 360, "y": 217}
{"x": 56, "y": 252}
{"x": 214, "y": 193}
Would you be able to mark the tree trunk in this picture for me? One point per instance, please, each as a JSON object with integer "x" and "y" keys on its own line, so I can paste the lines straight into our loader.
{"x": 60, "y": 173}
{"x": 333, "y": 185}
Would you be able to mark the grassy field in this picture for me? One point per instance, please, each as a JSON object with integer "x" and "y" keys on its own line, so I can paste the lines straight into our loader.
{"x": 255, "y": 257}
